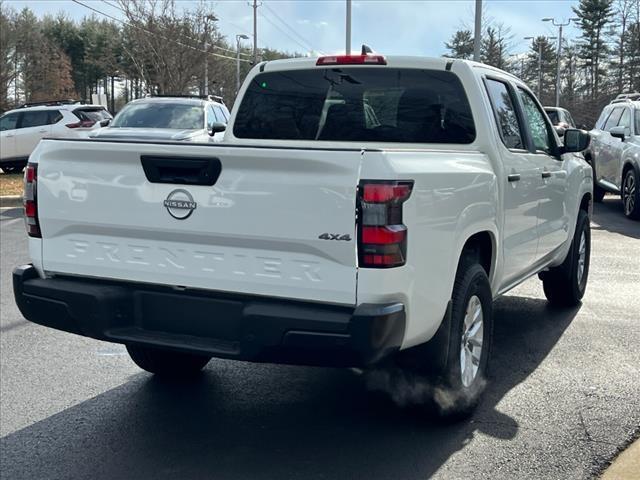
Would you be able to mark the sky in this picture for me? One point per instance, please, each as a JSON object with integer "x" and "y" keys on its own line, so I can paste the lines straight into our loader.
{"x": 388, "y": 26}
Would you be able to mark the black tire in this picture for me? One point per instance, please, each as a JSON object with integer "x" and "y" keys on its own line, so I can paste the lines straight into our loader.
{"x": 598, "y": 192}
{"x": 167, "y": 363}
{"x": 630, "y": 193}
{"x": 562, "y": 285}
{"x": 10, "y": 170}
{"x": 447, "y": 395}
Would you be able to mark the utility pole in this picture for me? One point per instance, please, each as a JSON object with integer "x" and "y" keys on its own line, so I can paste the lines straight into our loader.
{"x": 559, "y": 25}
{"x": 206, "y": 68}
{"x": 238, "y": 38}
{"x": 347, "y": 49}
{"x": 477, "y": 33}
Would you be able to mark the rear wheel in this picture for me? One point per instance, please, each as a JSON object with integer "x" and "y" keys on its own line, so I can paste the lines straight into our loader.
{"x": 165, "y": 362}
{"x": 565, "y": 284}
{"x": 631, "y": 194}
{"x": 457, "y": 385}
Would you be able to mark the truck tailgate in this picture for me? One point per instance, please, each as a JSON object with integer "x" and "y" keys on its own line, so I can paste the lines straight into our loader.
{"x": 276, "y": 222}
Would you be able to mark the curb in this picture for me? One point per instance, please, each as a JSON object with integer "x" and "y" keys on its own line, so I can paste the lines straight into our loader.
{"x": 7, "y": 201}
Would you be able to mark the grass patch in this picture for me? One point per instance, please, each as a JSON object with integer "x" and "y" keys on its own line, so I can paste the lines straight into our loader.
{"x": 11, "y": 184}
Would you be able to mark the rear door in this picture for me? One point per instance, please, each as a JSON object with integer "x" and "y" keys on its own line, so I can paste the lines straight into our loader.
{"x": 275, "y": 222}
{"x": 33, "y": 126}
{"x": 521, "y": 178}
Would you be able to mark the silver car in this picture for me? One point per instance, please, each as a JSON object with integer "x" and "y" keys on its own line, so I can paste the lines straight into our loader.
{"x": 615, "y": 153}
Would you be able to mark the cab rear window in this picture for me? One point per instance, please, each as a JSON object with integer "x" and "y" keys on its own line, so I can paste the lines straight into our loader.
{"x": 369, "y": 104}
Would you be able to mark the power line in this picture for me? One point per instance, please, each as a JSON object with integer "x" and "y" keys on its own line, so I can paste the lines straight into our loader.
{"x": 183, "y": 35}
{"x": 307, "y": 42}
{"x": 305, "y": 47}
{"x": 156, "y": 34}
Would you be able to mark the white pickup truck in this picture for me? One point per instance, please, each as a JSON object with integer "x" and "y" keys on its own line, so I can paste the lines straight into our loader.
{"x": 361, "y": 211}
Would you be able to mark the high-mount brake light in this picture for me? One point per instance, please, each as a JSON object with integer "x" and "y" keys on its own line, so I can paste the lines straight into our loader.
{"x": 31, "y": 201}
{"x": 382, "y": 237}
{"x": 352, "y": 60}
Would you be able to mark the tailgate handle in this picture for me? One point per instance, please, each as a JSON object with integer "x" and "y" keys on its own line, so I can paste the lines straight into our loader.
{"x": 181, "y": 170}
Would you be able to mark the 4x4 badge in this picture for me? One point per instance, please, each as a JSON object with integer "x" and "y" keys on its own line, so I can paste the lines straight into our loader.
{"x": 180, "y": 204}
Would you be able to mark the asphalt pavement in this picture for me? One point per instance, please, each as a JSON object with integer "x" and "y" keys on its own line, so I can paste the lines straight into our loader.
{"x": 564, "y": 397}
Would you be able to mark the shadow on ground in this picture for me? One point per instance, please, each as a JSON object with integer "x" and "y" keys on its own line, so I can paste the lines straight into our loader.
{"x": 609, "y": 216}
{"x": 244, "y": 421}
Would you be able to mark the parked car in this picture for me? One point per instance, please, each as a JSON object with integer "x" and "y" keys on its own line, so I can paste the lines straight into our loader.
{"x": 177, "y": 118}
{"x": 361, "y": 211}
{"x": 615, "y": 153}
{"x": 22, "y": 128}
{"x": 560, "y": 117}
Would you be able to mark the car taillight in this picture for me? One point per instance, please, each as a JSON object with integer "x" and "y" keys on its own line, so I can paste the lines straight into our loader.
{"x": 81, "y": 124}
{"x": 382, "y": 237}
{"x": 352, "y": 60}
{"x": 31, "y": 200}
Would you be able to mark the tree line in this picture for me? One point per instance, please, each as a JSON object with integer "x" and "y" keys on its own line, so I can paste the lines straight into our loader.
{"x": 151, "y": 47}
{"x": 602, "y": 62}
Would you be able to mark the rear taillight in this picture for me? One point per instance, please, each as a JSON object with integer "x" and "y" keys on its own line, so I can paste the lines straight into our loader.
{"x": 382, "y": 237}
{"x": 352, "y": 60}
{"x": 31, "y": 200}
{"x": 81, "y": 124}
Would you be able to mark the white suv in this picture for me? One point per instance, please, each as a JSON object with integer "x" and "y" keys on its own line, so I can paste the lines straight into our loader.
{"x": 21, "y": 129}
{"x": 615, "y": 153}
{"x": 172, "y": 117}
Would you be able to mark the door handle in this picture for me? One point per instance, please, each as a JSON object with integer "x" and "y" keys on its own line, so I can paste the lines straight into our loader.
{"x": 546, "y": 174}
{"x": 42, "y": 131}
{"x": 513, "y": 177}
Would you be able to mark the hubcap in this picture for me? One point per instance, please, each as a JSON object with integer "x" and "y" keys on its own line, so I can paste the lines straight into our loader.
{"x": 582, "y": 257}
{"x": 471, "y": 344}
{"x": 629, "y": 193}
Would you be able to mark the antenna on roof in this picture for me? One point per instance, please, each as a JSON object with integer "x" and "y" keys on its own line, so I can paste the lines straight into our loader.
{"x": 366, "y": 50}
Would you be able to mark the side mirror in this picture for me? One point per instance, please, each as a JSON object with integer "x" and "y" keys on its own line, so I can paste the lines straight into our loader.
{"x": 575, "y": 140}
{"x": 105, "y": 123}
{"x": 216, "y": 127}
{"x": 560, "y": 130}
{"x": 619, "y": 132}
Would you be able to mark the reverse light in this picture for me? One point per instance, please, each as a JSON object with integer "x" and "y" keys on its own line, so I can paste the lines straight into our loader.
{"x": 382, "y": 237}
{"x": 31, "y": 201}
{"x": 352, "y": 60}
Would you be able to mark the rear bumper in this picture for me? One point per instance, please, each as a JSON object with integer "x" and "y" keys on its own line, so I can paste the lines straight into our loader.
{"x": 212, "y": 323}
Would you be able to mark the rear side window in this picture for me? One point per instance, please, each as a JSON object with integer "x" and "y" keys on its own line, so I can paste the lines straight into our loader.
{"x": 35, "y": 118}
{"x": 367, "y": 104}
{"x": 613, "y": 119}
{"x": 637, "y": 122}
{"x": 8, "y": 122}
{"x": 505, "y": 114}
{"x": 54, "y": 117}
{"x": 553, "y": 116}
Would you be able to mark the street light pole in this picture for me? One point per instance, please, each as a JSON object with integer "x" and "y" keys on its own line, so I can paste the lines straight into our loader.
{"x": 539, "y": 60}
{"x": 559, "y": 25}
{"x": 238, "y": 38}
{"x": 347, "y": 49}
{"x": 477, "y": 33}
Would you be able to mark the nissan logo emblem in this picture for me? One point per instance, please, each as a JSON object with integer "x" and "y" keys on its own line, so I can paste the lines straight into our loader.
{"x": 180, "y": 204}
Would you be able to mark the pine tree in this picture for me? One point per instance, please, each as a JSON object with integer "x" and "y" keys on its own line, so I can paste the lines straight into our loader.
{"x": 460, "y": 45}
{"x": 543, "y": 85}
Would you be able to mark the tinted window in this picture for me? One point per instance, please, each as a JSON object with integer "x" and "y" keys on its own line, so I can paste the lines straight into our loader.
{"x": 54, "y": 117}
{"x": 160, "y": 115}
{"x": 613, "y": 119}
{"x": 553, "y": 116}
{"x": 625, "y": 119}
{"x": 357, "y": 104}
{"x": 540, "y": 130}
{"x": 34, "y": 118}
{"x": 8, "y": 121}
{"x": 505, "y": 113}
{"x": 92, "y": 114}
